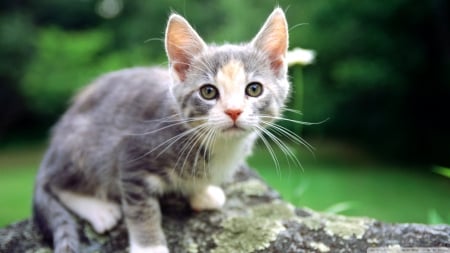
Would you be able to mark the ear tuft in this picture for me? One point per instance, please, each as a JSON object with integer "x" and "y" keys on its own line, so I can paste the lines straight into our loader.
{"x": 182, "y": 44}
{"x": 273, "y": 39}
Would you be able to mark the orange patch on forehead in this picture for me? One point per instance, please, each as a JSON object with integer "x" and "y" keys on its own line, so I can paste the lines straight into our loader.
{"x": 230, "y": 80}
{"x": 232, "y": 69}
{"x": 231, "y": 75}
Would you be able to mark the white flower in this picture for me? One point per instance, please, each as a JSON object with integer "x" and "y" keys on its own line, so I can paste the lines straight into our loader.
{"x": 300, "y": 56}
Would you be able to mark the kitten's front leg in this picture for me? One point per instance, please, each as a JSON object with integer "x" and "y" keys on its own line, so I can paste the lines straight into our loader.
{"x": 208, "y": 198}
{"x": 143, "y": 216}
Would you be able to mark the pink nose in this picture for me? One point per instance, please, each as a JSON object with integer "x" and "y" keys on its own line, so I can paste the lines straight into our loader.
{"x": 233, "y": 113}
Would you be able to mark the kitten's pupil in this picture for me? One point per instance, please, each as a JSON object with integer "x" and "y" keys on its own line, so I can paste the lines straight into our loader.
{"x": 209, "y": 92}
{"x": 254, "y": 89}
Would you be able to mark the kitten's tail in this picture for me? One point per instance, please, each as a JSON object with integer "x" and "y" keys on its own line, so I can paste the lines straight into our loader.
{"x": 54, "y": 221}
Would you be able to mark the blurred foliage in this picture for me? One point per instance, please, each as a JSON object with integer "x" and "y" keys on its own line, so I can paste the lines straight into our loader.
{"x": 442, "y": 171}
{"x": 16, "y": 50}
{"x": 65, "y": 62}
{"x": 17, "y": 33}
{"x": 381, "y": 75}
{"x": 433, "y": 217}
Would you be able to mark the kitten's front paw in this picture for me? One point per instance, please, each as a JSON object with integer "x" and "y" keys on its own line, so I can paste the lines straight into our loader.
{"x": 151, "y": 249}
{"x": 212, "y": 197}
{"x": 101, "y": 214}
{"x": 105, "y": 218}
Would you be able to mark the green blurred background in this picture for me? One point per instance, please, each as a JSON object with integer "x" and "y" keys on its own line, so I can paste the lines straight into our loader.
{"x": 381, "y": 77}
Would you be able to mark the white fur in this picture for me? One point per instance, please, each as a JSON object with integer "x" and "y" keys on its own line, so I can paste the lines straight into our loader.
{"x": 212, "y": 197}
{"x": 229, "y": 81}
{"x": 102, "y": 215}
{"x": 156, "y": 183}
{"x": 228, "y": 154}
{"x": 135, "y": 248}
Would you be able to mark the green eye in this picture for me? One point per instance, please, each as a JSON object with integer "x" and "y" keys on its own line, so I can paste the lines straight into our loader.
{"x": 209, "y": 92}
{"x": 254, "y": 89}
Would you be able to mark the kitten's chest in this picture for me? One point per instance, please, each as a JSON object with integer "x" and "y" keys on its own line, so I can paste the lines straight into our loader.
{"x": 219, "y": 162}
{"x": 227, "y": 156}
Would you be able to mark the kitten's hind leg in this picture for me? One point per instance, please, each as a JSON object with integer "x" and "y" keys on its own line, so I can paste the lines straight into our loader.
{"x": 101, "y": 214}
{"x": 208, "y": 198}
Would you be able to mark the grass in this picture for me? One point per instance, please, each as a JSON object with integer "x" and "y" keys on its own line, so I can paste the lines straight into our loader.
{"x": 18, "y": 167}
{"x": 387, "y": 193}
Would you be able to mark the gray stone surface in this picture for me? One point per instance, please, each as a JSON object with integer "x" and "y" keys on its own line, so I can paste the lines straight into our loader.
{"x": 253, "y": 220}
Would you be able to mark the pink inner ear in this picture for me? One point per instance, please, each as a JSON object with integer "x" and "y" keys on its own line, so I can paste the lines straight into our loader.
{"x": 275, "y": 45}
{"x": 181, "y": 69}
{"x": 276, "y": 65}
{"x": 273, "y": 39}
{"x": 182, "y": 44}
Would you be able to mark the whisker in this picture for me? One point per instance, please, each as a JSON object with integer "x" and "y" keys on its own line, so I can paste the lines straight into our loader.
{"x": 185, "y": 144}
{"x": 180, "y": 136}
{"x": 165, "y": 119}
{"x": 306, "y": 123}
{"x": 192, "y": 145}
{"x": 154, "y": 39}
{"x": 178, "y": 122}
{"x": 169, "y": 141}
{"x": 296, "y": 26}
{"x": 293, "y": 111}
{"x": 207, "y": 144}
{"x": 290, "y": 135}
{"x": 271, "y": 151}
{"x": 284, "y": 148}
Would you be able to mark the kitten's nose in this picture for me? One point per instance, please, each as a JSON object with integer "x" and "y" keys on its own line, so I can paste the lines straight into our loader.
{"x": 233, "y": 113}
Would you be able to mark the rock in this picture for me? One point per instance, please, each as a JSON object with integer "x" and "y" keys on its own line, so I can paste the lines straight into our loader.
{"x": 254, "y": 219}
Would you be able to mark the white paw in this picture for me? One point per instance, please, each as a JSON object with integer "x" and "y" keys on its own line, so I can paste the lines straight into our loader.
{"x": 101, "y": 214}
{"x": 104, "y": 218}
{"x": 151, "y": 249}
{"x": 212, "y": 197}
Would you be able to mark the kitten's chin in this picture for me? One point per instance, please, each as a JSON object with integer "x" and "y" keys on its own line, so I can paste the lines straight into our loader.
{"x": 235, "y": 132}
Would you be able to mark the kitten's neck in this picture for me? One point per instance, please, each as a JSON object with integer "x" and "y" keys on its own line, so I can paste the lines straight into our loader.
{"x": 227, "y": 154}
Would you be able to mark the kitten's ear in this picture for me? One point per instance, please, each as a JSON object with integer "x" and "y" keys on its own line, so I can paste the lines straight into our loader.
{"x": 182, "y": 44}
{"x": 273, "y": 39}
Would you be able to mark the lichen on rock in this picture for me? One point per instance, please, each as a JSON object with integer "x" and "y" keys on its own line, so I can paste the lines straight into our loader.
{"x": 321, "y": 247}
{"x": 337, "y": 225}
{"x": 251, "y": 187}
{"x": 246, "y": 234}
{"x": 254, "y": 231}
{"x": 346, "y": 227}
{"x": 192, "y": 247}
{"x": 276, "y": 210}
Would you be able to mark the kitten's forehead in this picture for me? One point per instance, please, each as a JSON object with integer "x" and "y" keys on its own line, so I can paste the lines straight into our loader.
{"x": 232, "y": 69}
{"x": 233, "y": 57}
{"x": 230, "y": 75}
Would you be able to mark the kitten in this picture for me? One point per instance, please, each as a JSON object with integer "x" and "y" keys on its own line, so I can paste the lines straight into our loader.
{"x": 138, "y": 133}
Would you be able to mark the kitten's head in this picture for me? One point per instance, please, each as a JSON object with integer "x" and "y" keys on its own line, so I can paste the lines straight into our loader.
{"x": 231, "y": 88}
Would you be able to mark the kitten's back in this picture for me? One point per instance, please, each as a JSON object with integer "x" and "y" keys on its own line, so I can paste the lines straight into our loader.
{"x": 115, "y": 106}
{"x": 133, "y": 92}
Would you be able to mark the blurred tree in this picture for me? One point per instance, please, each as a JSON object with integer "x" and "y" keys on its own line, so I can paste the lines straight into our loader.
{"x": 66, "y": 14}
{"x": 67, "y": 61}
{"x": 16, "y": 49}
{"x": 380, "y": 76}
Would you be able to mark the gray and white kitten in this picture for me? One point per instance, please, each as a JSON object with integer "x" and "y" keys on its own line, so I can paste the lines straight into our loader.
{"x": 138, "y": 133}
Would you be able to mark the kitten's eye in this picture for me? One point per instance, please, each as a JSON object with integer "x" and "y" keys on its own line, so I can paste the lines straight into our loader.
{"x": 209, "y": 92}
{"x": 254, "y": 89}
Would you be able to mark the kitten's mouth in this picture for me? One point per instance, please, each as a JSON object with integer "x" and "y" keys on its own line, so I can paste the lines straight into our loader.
{"x": 234, "y": 129}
